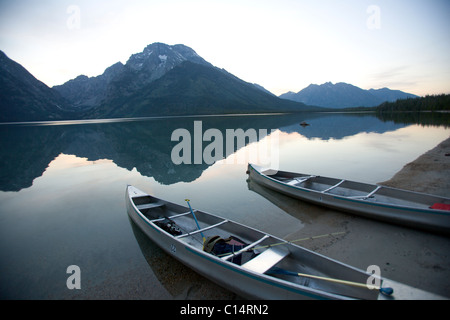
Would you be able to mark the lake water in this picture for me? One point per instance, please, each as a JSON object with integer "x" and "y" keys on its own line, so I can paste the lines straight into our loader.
{"x": 62, "y": 190}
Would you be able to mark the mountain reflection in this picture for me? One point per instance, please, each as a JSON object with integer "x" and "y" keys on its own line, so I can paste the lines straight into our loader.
{"x": 27, "y": 150}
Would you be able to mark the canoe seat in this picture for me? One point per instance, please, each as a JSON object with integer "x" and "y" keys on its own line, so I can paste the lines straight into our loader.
{"x": 150, "y": 205}
{"x": 265, "y": 260}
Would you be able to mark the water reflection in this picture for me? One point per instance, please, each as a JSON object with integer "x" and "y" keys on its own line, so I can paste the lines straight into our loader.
{"x": 26, "y": 150}
{"x": 176, "y": 278}
{"x": 69, "y": 181}
{"x": 326, "y": 126}
{"x": 305, "y": 212}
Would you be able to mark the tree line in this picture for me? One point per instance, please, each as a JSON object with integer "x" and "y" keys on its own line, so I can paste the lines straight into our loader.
{"x": 431, "y": 103}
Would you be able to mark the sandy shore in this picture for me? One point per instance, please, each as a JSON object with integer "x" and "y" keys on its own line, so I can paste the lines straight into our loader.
{"x": 430, "y": 173}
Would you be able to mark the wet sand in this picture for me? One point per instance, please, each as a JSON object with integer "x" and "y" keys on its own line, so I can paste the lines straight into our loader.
{"x": 430, "y": 173}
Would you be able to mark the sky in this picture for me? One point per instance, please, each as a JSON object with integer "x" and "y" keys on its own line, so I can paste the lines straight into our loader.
{"x": 282, "y": 45}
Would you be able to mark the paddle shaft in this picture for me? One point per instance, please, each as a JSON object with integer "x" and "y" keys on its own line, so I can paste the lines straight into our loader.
{"x": 195, "y": 218}
{"x": 350, "y": 283}
{"x": 386, "y": 291}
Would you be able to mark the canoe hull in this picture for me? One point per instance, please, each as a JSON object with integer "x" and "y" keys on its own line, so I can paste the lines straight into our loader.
{"x": 247, "y": 283}
{"x": 417, "y": 217}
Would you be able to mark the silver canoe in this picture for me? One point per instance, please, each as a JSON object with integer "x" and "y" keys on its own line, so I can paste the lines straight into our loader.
{"x": 267, "y": 267}
{"x": 398, "y": 206}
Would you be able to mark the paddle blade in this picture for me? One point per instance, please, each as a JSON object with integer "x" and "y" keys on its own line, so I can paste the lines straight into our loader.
{"x": 387, "y": 291}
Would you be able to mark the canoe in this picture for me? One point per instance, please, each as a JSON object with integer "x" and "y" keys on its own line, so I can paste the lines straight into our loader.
{"x": 251, "y": 263}
{"x": 407, "y": 208}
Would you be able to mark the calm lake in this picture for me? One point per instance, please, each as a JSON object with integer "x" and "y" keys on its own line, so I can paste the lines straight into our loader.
{"x": 62, "y": 191}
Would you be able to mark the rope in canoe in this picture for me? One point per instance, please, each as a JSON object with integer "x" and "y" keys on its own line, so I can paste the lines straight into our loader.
{"x": 302, "y": 239}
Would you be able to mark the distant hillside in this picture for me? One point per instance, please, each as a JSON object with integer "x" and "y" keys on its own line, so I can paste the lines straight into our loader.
{"x": 343, "y": 95}
{"x": 24, "y": 98}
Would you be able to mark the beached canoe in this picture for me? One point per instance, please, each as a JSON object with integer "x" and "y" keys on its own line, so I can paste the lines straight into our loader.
{"x": 249, "y": 262}
{"x": 398, "y": 206}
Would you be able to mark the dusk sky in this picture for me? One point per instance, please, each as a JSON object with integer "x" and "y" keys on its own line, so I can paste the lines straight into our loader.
{"x": 283, "y": 45}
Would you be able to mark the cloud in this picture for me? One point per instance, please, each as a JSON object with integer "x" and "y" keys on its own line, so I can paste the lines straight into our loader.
{"x": 399, "y": 77}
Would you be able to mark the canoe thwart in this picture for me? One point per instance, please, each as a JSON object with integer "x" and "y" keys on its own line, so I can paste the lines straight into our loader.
{"x": 201, "y": 230}
{"x": 173, "y": 217}
{"x": 367, "y": 196}
{"x": 333, "y": 187}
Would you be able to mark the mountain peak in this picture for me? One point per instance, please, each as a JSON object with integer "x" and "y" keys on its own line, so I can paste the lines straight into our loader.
{"x": 140, "y": 70}
{"x": 158, "y": 58}
{"x": 168, "y": 79}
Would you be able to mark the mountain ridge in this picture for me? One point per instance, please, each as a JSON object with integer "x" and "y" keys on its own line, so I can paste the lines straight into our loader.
{"x": 344, "y": 95}
{"x": 25, "y": 98}
{"x": 137, "y": 88}
{"x": 192, "y": 88}
{"x": 162, "y": 80}
{"x": 132, "y": 88}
